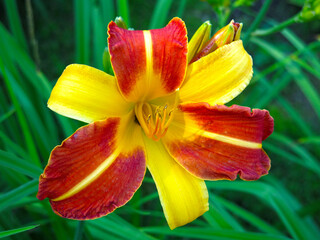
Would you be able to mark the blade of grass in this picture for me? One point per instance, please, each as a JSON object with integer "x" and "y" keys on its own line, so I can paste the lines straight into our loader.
{"x": 282, "y": 153}
{"x": 146, "y": 199}
{"x": 273, "y": 91}
{"x": 22, "y": 120}
{"x": 13, "y": 179}
{"x": 82, "y": 26}
{"x": 37, "y": 79}
{"x": 35, "y": 122}
{"x": 123, "y": 11}
{"x": 310, "y": 140}
{"x": 9, "y": 198}
{"x": 210, "y": 233}
{"x": 308, "y": 159}
{"x": 257, "y": 20}
{"x": 99, "y": 37}
{"x": 221, "y": 216}
{"x": 248, "y": 216}
{"x": 16, "y": 54}
{"x": 181, "y": 7}
{"x": 16, "y": 231}
{"x": 301, "y": 46}
{"x": 292, "y": 57}
{"x": 14, "y": 22}
{"x": 160, "y": 14}
{"x": 295, "y": 116}
{"x": 293, "y": 203}
{"x": 108, "y": 11}
{"x": 307, "y": 67}
{"x": 7, "y": 114}
{"x": 14, "y": 148}
{"x": 301, "y": 80}
{"x": 79, "y": 230}
{"x": 117, "y": 226}
{"x": 20, "y": 165}
{"x": 297, "y": 42}
{"x": 298, "y": 228}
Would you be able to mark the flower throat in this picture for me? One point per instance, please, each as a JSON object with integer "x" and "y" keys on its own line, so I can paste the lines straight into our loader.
{"x": 154, "y": 120}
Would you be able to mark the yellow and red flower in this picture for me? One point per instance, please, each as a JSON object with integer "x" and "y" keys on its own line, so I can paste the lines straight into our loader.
{"x": 158, "y": 112}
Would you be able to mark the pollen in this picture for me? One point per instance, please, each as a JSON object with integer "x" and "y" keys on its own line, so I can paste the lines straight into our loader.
{"x": 154, "y": 120}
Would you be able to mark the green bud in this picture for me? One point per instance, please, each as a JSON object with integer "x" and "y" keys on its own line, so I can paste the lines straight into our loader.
{"x": 199, "y": 39}
{"x": 120, "y": 22}
{"x": 224, "y": 36}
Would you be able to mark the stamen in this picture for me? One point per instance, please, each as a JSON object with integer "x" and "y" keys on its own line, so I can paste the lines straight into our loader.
{"x": 154, "y": 123}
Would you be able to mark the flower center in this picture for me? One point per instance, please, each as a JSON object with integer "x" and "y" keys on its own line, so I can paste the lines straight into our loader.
{"x": 154, "y": 120}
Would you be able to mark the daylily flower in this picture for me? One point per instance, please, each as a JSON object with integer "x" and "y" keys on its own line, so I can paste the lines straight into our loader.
{"x": 159, "y": 113}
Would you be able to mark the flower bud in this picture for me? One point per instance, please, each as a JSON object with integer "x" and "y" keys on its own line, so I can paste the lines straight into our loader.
{"x": 224, "y": 36}
{"x": 199, "y": 39}
{"x": 120, "y": 22}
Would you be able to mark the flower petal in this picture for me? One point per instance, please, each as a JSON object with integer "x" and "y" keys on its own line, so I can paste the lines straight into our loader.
{"x": 218, "y": 77}
{"x": 183, "y": 197}
{"x": 149, "y": 64}
{"x": 95, "y": 170}
{"x": 87, "y": 94}
{"x": 220, "y": 142}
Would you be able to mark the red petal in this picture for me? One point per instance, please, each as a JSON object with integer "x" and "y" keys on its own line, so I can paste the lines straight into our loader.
{"x": 223, "y": 141}
{"x": 149, "y": 64}
{"x": 78, "y": 157}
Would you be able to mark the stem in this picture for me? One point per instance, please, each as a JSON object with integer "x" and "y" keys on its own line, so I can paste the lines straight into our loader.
{"x": 277, "y": 28}
{"x": 257, "y": 20}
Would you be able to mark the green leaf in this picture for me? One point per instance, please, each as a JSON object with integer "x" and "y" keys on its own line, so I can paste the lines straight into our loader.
{"x": 219, "y": 217}
{"x": 82, "y": 26}
{"x": 282, "y": 203}
{"x": 211, "y": 233}
{"x": 21, "y": 117}
{"x": 16, "y": 231}
{"x": 19, "y": 165}
{"x": 99, "y": 37}
{"x": 115, "y": 225}
{"x": 123, "y": 11}
{"x": 306, "y": 158}
{"x": 108, "y": 11}
{"x": 249, "y": 217}
{"x": 14, "y": 22}
{"x": 302, "y": 81}
{"x": 160, "y": 14}
{"x": 10, "y": 198}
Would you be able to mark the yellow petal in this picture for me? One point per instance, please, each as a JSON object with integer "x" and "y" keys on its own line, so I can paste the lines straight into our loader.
{"x": 87, "y": 94}
{"x": 183, "y": 197}
{"x": 218, "y": 77}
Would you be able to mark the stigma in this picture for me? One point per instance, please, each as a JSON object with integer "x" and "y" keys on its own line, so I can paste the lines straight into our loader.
{"x": 154, "y": 120}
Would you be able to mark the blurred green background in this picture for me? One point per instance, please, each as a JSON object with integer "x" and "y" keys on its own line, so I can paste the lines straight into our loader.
{"x": 38, "y": 39}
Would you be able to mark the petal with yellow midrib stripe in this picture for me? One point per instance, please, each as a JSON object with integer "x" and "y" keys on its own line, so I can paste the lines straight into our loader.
{"x": 219, "y": 142}
{"x": 95, "y": 170}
